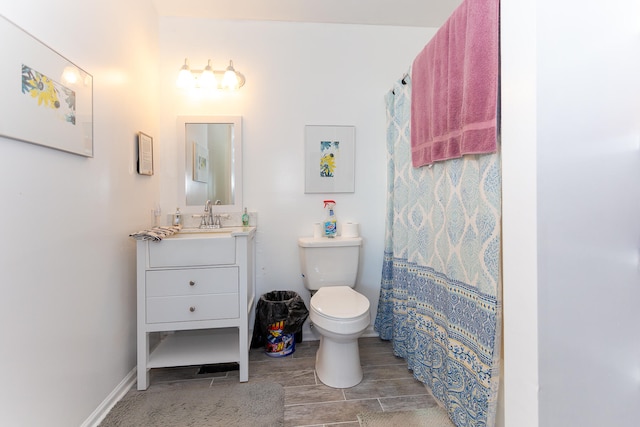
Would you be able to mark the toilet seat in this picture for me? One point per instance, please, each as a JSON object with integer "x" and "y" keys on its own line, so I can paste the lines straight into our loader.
{"x": 339, "y": 303}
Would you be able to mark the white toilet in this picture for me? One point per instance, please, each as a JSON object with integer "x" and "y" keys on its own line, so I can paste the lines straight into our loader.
{"x": 338, "y": 313}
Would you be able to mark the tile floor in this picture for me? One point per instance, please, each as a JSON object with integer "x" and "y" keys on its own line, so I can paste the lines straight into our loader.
{"x": 387, "y": 385}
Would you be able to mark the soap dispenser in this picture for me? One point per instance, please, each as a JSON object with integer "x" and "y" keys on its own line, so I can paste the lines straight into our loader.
{"x": 177, "y": 218}
{"x": 245, "y": 218}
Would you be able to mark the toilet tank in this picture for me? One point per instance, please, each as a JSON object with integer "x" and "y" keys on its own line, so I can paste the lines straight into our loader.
{"x": 329, "y": 262}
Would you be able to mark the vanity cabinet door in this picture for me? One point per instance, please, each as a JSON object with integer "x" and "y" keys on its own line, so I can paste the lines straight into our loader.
{"x": 192, "y": 295}
{"x": 184, "y": 309}
{"x": 192, "y": 281}
{"x": 192, "y": 252}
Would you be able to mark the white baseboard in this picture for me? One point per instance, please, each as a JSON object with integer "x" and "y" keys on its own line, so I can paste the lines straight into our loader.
{"x": 103, "y": 409}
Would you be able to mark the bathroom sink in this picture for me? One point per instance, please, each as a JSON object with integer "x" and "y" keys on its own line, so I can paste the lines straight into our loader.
{"x": 210, "y": 232}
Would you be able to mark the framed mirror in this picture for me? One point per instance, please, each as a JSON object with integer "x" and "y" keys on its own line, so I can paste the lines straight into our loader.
{"x": 212, "y": 162}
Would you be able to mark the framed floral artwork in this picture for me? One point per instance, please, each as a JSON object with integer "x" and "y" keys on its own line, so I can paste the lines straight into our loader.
{"x": 46, "y": 99}
{"x": 329, "y": 159}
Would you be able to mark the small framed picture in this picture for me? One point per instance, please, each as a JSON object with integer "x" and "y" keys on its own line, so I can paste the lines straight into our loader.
{"x": 200, "y": 163}
{"x": 145, "y": 154}
{"x": 329, "y": 159}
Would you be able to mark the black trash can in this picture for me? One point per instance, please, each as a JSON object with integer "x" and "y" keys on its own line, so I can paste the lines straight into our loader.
{"x": 279, "y": 319}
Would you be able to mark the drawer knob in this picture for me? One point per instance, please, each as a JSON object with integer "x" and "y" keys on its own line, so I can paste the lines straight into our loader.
{"x": 192, "y": 309}
{"x": 192, "y": 283}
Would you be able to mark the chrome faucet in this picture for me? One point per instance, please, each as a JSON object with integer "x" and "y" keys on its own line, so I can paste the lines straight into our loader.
{"x": 206, "y": 219}
{"x": 208, "y": 208}
{"x": 216, "y": 221}
{"x": 210, "y": 220}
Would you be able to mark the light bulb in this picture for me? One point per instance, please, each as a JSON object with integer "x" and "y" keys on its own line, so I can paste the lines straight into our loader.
{"x": 230, "y": 79}
{"x": 207, "y": 79}
{"x": 185, "y": 78}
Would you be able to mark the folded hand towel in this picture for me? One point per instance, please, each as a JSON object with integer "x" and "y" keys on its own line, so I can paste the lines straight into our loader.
{"x": 454, "y": 95}
{"x": 156, "y": 233}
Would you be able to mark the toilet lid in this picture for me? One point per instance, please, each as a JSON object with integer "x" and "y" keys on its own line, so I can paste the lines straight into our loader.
{"x": 340, "y": 302}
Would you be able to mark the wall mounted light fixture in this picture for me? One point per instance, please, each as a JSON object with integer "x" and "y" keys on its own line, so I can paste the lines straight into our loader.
{"x": 228, "y": 79}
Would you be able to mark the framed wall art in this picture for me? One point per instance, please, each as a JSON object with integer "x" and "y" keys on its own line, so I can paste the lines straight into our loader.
{"x": 145, "y": 154}
{"x": 329, "y": 159}
{"x": 46, "y": 99}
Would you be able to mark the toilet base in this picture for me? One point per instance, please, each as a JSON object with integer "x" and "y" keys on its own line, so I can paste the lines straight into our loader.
{"x": 338, "y": 362}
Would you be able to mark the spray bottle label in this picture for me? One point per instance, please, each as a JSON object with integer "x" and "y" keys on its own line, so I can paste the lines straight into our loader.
{"x": 330, "y": 228}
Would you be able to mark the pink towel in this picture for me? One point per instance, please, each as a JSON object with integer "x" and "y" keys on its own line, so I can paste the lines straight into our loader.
{"x": 454, "y": 84}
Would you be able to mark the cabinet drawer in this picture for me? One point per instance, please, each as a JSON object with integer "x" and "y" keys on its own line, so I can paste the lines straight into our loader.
{"x": 192, "y": 252}
{"x": 192, "y": 281}
{"x": 188, "y": 308}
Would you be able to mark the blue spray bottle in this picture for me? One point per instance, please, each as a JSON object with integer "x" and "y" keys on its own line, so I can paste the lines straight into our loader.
{"x": 331, "y": 222}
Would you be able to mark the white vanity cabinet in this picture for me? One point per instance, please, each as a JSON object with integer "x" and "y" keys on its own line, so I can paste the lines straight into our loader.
{"x": 196, "y": 293}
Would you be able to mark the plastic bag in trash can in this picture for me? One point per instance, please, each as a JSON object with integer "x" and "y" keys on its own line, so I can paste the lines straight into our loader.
{"x": 276, "y": 306}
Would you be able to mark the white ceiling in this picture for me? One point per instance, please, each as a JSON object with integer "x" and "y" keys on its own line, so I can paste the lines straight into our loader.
{"x": 411, "y": 13}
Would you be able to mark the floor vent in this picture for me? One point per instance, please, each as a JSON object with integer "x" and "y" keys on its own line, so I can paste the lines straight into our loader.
{"x": 218, "y": 367}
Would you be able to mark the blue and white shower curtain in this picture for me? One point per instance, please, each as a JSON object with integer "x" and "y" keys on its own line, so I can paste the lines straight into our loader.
{"x": 440, "y": 292}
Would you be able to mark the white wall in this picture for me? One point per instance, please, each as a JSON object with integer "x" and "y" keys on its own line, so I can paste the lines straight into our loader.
{"x": 589, "y": 148}
{"x": 519, "y": 212}
{"x": 297, "y": 75}
{"x": 67, "y": 308}
{"x": 579, "y": 105}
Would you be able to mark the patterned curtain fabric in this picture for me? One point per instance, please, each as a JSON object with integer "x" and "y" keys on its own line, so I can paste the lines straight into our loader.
{"x": 440, "y": 293}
